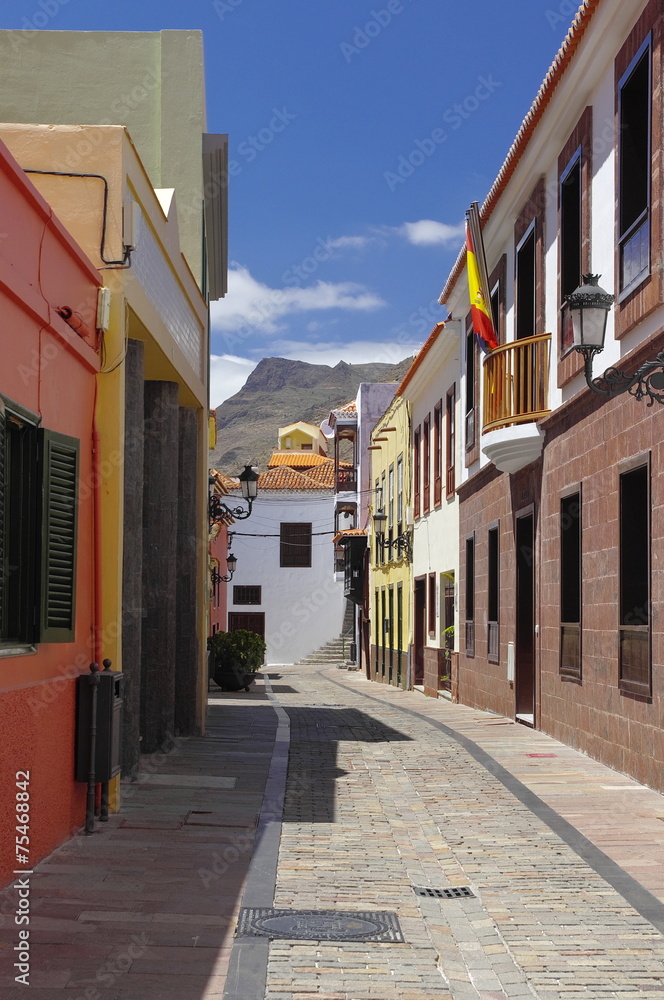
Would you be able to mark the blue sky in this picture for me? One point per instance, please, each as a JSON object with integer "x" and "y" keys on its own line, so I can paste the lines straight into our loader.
{"x": 359, "y": 133}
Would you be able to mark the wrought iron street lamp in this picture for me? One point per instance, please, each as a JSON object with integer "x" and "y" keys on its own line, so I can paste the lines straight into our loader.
{"x": 217, "y": 578}
{"x": 589, "y": 308}
{"x": 218, "y": 510}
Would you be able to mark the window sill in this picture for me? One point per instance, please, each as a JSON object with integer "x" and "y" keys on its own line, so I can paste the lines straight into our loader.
{"x": 20, "y": 650}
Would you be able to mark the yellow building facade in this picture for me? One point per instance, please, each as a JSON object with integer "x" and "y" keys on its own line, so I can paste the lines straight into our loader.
{"x": 151, "y": 417}
{"x": 390, "y": 582}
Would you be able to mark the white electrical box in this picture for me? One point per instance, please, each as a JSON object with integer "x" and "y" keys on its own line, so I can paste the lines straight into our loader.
{"x": 410, "y": 517}
{"x": 510, "y": 661}
{"x": 103, "y": 309}
{"x": 131, "y": 221}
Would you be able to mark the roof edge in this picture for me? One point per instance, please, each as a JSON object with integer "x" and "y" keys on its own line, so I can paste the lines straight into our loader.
{"x": 543, "y": 97}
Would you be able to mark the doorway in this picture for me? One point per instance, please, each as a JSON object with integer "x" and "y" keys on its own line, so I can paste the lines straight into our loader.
{"x": 420, "y": 607}
{"x": 525, "y": 620}
{"x": 253, "y": 621}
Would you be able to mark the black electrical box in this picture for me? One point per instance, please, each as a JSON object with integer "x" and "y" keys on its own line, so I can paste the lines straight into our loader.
{"x": 108, "y": 760}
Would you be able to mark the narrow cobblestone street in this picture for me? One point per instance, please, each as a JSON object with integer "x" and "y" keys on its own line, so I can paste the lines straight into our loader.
{"x": 385, "y": 792}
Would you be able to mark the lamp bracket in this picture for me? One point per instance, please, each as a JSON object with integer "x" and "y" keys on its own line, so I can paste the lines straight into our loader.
{"x": 402, "y": 541}
{"x": 218, "y": 510}
{"x": 648, "y": 380}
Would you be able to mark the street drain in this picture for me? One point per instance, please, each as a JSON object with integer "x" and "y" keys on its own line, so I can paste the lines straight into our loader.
{"x": 454, "y": 892}
{"x": 321, "y": 925}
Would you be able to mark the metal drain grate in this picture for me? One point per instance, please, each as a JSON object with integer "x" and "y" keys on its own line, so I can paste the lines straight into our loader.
{"x": 454, "y": 892}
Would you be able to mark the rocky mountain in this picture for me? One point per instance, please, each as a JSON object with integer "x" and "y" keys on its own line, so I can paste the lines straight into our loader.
{"x": 279, "y": 392}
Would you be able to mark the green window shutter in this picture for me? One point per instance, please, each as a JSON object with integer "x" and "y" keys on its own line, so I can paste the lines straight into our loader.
{"x": 59, "y": 478}
{"x": 3, "y": 505}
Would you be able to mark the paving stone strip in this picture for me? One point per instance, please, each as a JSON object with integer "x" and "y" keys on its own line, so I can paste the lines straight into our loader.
{"x": 380, "y": 800}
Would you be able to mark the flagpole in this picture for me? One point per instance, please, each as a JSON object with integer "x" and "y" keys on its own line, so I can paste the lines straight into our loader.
{"x": 480, "y": 256}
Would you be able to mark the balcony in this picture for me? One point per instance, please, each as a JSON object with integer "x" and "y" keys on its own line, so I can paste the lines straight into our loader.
{"x": 345, "y": 481}
{"x": 516, "y": 395}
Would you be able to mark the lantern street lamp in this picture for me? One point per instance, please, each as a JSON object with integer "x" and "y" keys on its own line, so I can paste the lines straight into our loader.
{"x": 218, "y": 510}
{"x": 217, "y": 578}
{"x": 589, "y": 309}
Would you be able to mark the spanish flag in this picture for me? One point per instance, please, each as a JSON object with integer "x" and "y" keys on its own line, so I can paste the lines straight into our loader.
{"x": 480, "y": 307}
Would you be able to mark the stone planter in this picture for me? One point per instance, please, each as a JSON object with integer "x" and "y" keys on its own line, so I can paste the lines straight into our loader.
{"x": 231, "y": 677}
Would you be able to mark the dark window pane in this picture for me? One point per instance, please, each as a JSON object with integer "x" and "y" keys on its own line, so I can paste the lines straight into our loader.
{"x": 470, "y": 579}
{"x": 635, "y": 666}
{"x": 493, "y": 575}
{"x": 570, "y": 558}
{"x": 525, "y": 288}
{"x": 570, "y": 231}
{"x": 634, "y": 548}
{"x": 634, "y": 156}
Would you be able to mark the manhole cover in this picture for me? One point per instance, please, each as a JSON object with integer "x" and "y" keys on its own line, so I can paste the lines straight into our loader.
{"x": 453, "y": 892}
{"x": 321, "y": 925}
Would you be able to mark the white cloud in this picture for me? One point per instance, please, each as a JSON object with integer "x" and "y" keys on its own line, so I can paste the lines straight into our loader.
{"x": 427, "y": 232}
{"x": 227, "y": 376}
{"x": 354, "y": 242}
{"x": 250, "y": 303}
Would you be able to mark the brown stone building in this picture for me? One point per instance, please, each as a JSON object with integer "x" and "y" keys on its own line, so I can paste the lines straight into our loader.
{"x": 561, "y": 590}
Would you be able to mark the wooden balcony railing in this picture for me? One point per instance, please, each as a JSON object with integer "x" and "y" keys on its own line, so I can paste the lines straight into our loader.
{"x": 345, "y": 480}
{"x": 516, "y": 382}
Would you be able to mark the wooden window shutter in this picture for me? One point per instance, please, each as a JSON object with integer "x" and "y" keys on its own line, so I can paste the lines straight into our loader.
{"x": 59, "y": 457}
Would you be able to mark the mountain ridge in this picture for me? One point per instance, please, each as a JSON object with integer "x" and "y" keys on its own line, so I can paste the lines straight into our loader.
{"x": 281, "y": 391}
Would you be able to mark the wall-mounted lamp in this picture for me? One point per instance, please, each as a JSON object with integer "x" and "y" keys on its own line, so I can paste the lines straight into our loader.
{"x": 589, "y": 309}
{"x": 218, "y": 510}
{"x": 217, "y": 578}
{"x": 401, "y": 542}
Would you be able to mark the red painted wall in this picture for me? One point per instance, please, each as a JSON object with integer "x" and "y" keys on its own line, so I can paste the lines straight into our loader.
{"x": 49, "y": 367}
{"x": 219, "y": 608}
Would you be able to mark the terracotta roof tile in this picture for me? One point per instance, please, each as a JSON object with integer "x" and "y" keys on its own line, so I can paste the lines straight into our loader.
{"x": 224, "y": 482}
{"x": 349, "y": 533}
{"x": 296, "y": 459}
{"x": 285, "y": 478}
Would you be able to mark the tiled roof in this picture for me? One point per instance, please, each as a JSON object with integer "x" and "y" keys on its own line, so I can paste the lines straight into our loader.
{"x": 296, "y": 459}
{"x": 347, "y": 410}
{"x": 528, "y": 126}
{"x": 349, "y": 533}
{"x": 285, "y": 478}
{"x": 224, "y": 482}
{"x": 325, "y": 473}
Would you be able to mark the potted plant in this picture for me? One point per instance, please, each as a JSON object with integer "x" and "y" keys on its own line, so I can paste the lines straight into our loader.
{"x": 236, "y": 658}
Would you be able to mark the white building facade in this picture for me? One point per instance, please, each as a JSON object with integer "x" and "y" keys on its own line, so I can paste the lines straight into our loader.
{"x": 284, "y": 586}
{"x": 431, "y": 387}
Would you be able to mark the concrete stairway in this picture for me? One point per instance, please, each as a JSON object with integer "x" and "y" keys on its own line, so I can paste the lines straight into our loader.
{"x": 336, "y": 651}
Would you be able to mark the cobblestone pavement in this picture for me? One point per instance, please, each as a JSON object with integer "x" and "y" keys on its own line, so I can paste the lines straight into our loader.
{"x": 379, "y": 801}
{"x": 384, "y": 791}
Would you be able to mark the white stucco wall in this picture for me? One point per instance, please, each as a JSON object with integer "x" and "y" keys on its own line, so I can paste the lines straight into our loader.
{"x": 303, "y": 606}
{"x": 436, "y": 534}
